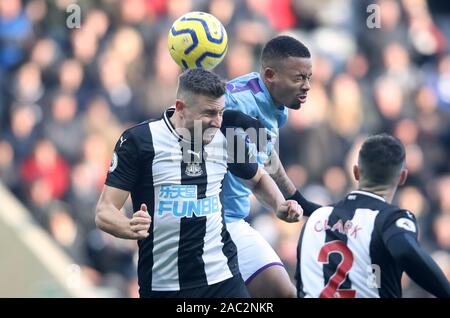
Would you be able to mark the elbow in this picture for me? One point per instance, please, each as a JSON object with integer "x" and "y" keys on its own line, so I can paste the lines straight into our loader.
{"x": 98, "y": 221}
{"x": 99, "y": 218}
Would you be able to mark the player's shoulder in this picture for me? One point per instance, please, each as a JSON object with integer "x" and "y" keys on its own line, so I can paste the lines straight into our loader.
{"x": 138, "y": 134}
{"x": 393, "y": 214}
{"x": 141, "y": 129}
{"x": 392, "y": 210}
{"x": 241, "y": 93}
{"x": 244, "y": 78}
{"x": 245, "y": 85}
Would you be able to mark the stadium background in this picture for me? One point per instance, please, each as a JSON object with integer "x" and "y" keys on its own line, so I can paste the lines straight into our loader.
{"x": 66, "y": 95}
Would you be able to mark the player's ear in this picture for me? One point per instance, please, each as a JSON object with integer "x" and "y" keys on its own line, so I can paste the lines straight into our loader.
{"x": 403, "y": 176}
{"x": 268, "y": 74}
{"x": 179, "y": 105}
{"x": 356, "y": 172}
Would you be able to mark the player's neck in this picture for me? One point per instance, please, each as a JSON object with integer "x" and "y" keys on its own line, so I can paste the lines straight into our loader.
{"x": 175, "y": 120}
{"x": 275, "y": 102}
{"x": 178, "y": 124}
{"x": 386, "y": 193}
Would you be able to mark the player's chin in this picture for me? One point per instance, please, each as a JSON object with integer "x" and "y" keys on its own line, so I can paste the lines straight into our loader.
{"x": 296, "y": 105}
{"x": 208, "y": 135}
{"x": 207, "y": 139}
{"x": 298, "y": 101}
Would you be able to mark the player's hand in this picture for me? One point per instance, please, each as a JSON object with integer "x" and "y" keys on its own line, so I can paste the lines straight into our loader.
{"x": 140, "y": 223}
{"x": 290, "y": 211}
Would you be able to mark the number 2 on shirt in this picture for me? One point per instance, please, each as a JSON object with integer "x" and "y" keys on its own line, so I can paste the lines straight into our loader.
{"x": 331, "y": 288}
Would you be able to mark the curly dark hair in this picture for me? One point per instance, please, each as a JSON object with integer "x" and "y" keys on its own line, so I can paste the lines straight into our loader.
{"x": 282, "y": 47}
{"x": 201, "y": 82}
{"x": 381, "y": 159}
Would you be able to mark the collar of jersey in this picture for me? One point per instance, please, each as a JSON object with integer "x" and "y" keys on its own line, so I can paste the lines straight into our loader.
{"x": 369, "y": 194}
{"x": 167, "y": 114}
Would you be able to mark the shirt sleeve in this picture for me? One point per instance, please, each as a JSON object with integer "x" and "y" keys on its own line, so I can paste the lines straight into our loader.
{"x": 236, "y": 118}
{"x": 241, "y": 161}
{"x": 255, "y": 130}
{"x": 244, "y": 171}
{"x": 400, "y": 238}
{"x": 399, "y": 222}
{"x": 124, "y": 169}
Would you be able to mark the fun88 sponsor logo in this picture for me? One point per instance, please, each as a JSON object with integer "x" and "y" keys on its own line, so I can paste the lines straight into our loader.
{"x": 181, "y": 201}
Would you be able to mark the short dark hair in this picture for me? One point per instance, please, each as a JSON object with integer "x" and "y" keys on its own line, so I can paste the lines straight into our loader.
{"x": 201, "y": 82}
{"x": 381, "y": 159}
{"x": 282, "y": 47}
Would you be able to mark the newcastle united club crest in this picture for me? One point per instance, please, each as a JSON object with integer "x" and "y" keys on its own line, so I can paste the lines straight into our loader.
{"x": 194, "y": 169}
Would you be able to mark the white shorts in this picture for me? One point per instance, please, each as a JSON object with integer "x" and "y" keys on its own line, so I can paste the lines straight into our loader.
{"x": 254, "y": 253}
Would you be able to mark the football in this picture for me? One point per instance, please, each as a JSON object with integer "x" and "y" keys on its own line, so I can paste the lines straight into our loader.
{"x": 197, "y": 40}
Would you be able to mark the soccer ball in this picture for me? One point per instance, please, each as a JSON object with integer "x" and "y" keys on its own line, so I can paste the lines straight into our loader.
{"x": 197, "y": 40}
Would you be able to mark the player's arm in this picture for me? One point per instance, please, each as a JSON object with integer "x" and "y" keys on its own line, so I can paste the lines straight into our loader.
{"x": 260, "y": 182}
{"x": 123, "y": 173}
{"x": 419, "y": 265}
{"x": 267, "y": 192}
{"x": 287, "y": 187}
{"x": 110, "y": 219}
{"x": 236, "y": 118}
{"x": 401, "y": 241}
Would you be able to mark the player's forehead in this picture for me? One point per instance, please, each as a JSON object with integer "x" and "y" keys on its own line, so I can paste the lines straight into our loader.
{"x": 296, "y": 65}
{"x": 207, "y": 103}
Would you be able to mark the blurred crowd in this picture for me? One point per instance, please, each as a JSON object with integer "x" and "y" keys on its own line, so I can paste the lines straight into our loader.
{"x": 68, "y": 93}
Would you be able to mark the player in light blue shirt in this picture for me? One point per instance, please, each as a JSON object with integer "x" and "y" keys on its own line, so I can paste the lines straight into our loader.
{"x": 283, "y": 82}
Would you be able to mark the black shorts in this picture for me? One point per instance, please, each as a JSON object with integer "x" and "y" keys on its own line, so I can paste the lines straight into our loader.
{"x": 233, "y": 287}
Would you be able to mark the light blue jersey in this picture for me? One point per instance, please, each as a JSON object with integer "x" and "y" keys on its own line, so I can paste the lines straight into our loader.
{"x": 248, "y": 94}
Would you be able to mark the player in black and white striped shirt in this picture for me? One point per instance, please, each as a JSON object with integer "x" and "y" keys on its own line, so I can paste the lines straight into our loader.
{"x": 175, "y": 180}
{"x": 360, "y": 246}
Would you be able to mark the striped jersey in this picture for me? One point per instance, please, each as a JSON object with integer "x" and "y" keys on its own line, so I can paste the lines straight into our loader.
{"x": 188, "y": 245}
{"x": 342, "y": 249}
